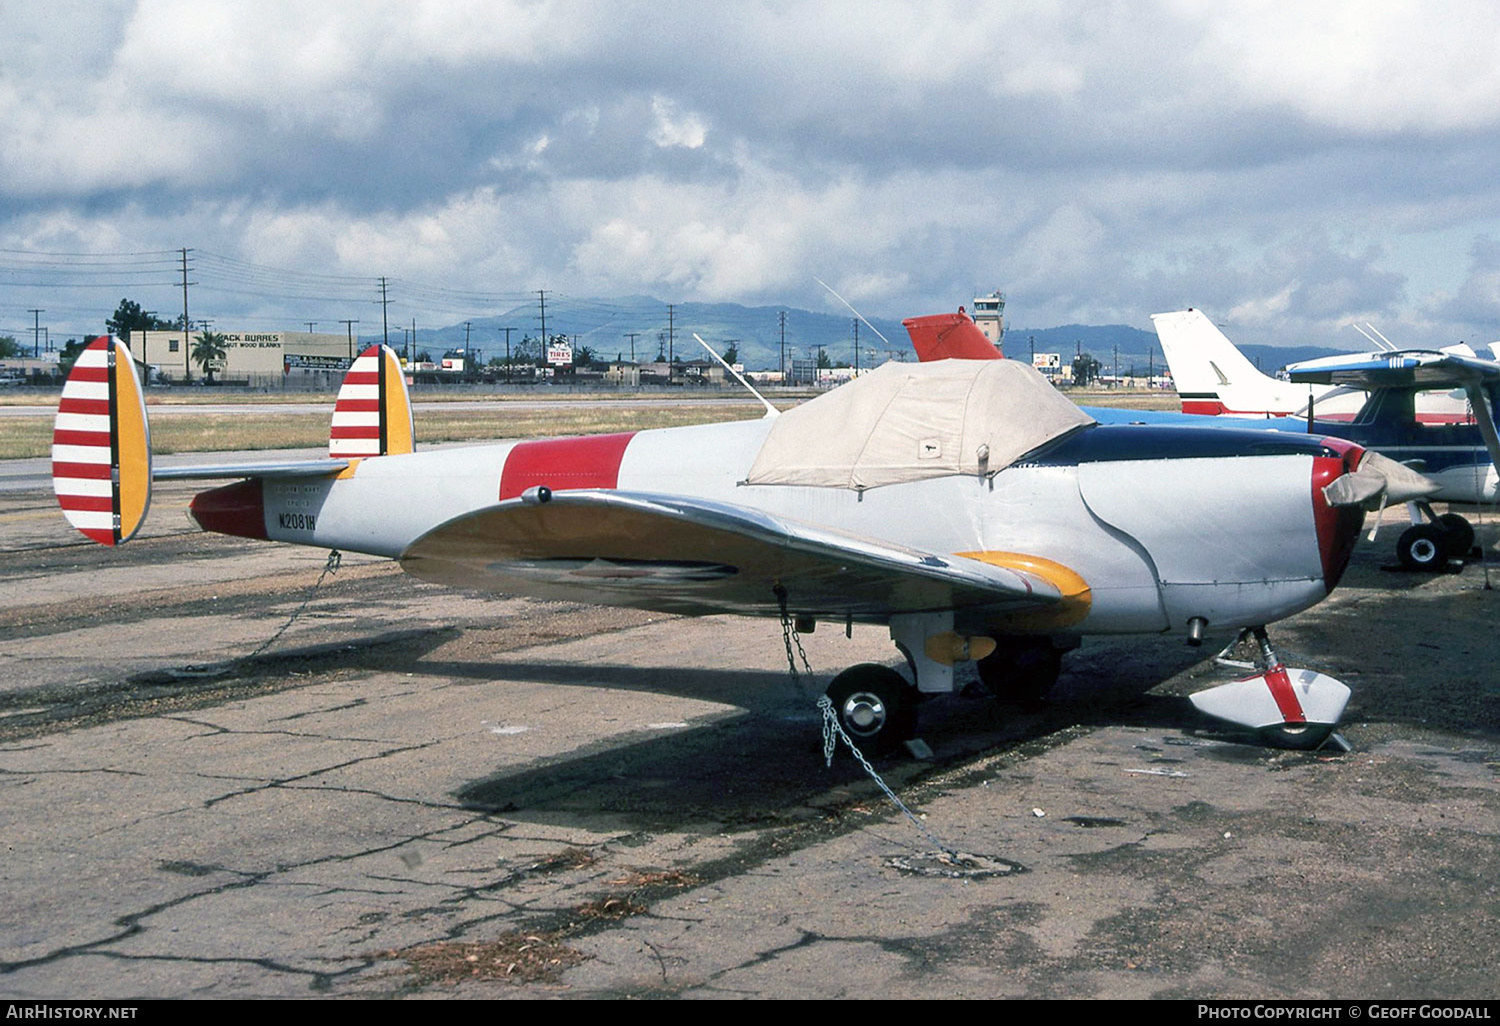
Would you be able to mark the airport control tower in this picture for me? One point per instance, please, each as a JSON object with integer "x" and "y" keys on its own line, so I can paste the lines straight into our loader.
{"x": 989, "y": 314}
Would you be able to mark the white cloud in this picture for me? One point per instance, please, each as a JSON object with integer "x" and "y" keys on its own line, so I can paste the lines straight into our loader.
{"x": 1097, "y": 162}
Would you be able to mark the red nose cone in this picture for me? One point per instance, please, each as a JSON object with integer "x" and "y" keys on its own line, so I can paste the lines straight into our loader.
{"x": 1338, "y": 526}
{"x": 236, "y": 509}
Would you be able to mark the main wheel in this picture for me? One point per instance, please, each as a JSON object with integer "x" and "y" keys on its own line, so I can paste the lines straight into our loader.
{"x": 1460, "y": 534}
{"x": 1423, "y": 547}
{"x": 1021, "y": 670}
{"x": 1301, "y": 736}
{"x": 875, "y": 706}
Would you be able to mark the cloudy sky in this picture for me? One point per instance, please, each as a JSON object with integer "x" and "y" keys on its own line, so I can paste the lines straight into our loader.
{"x": 1288, "y": 167}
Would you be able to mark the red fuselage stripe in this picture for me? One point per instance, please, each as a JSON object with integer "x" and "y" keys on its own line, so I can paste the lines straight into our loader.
{"x": 564, "y": 463}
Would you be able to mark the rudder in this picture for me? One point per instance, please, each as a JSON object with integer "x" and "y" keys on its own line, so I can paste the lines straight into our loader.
{"x": 101, "y": 445}
{"x": 372, "y": 416}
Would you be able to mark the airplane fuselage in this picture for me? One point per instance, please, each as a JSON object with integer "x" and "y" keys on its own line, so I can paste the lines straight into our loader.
{"x": 1163, "y": 524}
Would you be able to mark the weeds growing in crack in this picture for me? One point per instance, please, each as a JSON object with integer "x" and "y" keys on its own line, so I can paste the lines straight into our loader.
{"x": 513, "y": 957}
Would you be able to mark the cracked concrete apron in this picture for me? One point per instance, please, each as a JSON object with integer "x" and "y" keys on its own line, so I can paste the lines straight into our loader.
{"x": 412, "y": 771}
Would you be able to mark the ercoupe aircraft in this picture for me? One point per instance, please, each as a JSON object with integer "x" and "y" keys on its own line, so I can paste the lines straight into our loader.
{"x": 1429, "y": 410}
{"x": 964, "y": 504}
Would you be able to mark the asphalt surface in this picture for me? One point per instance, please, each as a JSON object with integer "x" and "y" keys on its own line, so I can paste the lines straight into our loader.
{"x": 420, "y": 793}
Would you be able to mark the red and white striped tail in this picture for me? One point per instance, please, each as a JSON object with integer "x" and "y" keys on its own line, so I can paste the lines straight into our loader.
{"x": 372, "y": 416}
{"x": 101, "y": 445}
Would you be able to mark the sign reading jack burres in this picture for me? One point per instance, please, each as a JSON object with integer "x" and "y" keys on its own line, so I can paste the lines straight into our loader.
{"x": 260, "y": 358}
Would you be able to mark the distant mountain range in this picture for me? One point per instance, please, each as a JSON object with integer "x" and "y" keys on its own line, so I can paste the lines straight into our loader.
{"x": 607, "y": 326}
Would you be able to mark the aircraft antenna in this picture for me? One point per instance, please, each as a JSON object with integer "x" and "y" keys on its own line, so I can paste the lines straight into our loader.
{"x": 855, "y": 312}
{"x": 1393, "y": 347}
{"x": 1381, "y": 343}
{"x": 771, "y": 411}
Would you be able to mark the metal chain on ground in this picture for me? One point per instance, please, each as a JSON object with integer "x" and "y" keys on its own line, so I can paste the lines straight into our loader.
{"x": 335, "y": 557}
{"x": 833, "y": 730}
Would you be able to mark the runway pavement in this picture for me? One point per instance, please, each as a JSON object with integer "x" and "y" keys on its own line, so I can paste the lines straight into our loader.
{"x": 416, "y": 792}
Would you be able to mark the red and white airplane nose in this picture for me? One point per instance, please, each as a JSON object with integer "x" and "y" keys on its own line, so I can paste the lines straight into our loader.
{"x": 1338, "y": 525}
{"x": 1347, "y": 483}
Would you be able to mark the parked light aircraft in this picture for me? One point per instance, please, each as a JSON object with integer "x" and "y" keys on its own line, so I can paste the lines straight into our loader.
{"x": 1213, "y": 377}
{"x": 1430, "y": 410}
{"x": 964, "y": 504}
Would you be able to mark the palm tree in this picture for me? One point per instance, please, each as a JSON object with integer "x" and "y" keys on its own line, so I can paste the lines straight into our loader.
{"x": 208, "y": 352}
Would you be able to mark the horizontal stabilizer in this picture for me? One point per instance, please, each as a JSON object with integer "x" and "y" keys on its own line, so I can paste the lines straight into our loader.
{"x": 700, "y": 557}
{"x": 101, "y": 445}
{"x": 221, "y": 471}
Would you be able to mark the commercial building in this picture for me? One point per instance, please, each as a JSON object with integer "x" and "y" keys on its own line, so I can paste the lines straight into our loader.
{"x": 261, "y": 359}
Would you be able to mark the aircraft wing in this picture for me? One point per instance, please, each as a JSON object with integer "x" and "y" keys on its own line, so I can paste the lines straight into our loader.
{"x": 1411, "y": 368}
{"x": 701, "y": 557}
{"x": 1420, "y": 369}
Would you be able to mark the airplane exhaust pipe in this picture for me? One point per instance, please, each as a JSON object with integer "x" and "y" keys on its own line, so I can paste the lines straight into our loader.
{"x": 1195, "y": 631}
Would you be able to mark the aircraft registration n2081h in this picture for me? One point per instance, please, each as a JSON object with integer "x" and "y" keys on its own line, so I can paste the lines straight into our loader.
{"x": 964, "y": 504}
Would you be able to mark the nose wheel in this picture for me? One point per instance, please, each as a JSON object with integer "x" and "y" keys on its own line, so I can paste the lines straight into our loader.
{"x": 1429, "y": 546}
{"x": 875, "y": 706}
{"x": 1021, "y": 670}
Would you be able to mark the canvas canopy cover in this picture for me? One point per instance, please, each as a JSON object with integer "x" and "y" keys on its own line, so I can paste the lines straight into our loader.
{"x": 905, "y": 422}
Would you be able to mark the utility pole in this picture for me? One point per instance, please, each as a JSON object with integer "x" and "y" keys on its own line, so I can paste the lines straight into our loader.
{"x": 349, "y": 327}
{"x": 36, "y": 333}
{"x": 310, "y": 326}
{"x": 783, "y": 346}
{"x": 541, "y": 295}
{"x": 187, "y": 367}
{"x": 385, "y": 321}
{"x": 632, "y": 335}
{"x": 411, "y": 350}
{"x": 856, "y": 347}
{"x": 466, "y": 339}
{"x": 670, "y": 339}
{"x": 507, "y": 352}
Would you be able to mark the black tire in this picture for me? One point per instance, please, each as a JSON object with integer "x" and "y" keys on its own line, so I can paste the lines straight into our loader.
{"x": 1300, "y": 736}
{"x": 875, "y": 706}
{"x": 1021, "y": 670}
{"x": 1423, "y": 547}
{"x": 1460, "y": 534}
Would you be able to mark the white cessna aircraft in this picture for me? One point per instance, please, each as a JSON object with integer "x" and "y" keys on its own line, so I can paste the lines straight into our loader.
{"x": 963, "y": 504}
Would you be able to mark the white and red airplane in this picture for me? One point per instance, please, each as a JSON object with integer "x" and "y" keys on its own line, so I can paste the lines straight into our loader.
{"x": 1213, "y": 377}
{"x": 962, "y": 503}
